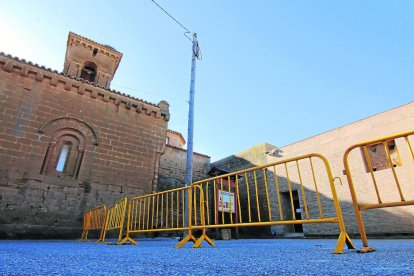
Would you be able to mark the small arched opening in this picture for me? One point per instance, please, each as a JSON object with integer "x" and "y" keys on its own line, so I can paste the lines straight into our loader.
{"x": 89, "y": 71}
{"x": 65, "y": 153}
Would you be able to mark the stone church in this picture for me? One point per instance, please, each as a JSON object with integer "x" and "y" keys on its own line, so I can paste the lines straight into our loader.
{"x": 68, "y": 142}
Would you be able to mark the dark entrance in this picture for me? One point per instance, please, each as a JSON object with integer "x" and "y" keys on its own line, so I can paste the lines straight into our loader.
{"x": 287, "y": 211}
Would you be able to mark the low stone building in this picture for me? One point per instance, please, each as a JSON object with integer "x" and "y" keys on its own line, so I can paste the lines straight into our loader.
{"x": 172, "y": 171}
{"x": 333, "y": 144}
{"x": 68, "y": 142}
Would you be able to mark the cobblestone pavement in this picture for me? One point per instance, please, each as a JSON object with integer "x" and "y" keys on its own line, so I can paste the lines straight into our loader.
{"x": 241, "y": 257}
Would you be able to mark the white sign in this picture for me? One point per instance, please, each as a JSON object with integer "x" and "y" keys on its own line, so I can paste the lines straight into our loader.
{"x": 226, "y": 199}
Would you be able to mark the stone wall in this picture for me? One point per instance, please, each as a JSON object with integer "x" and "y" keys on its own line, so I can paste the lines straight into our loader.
{"x": 172, "y": 173}
{"x": 115, "y": 143}
{"x": 332, "y": 144}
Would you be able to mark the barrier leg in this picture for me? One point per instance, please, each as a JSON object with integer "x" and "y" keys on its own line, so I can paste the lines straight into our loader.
{"x": 103, "y": 237}
{"x": 84, "y": 236}
{"x": 343, "y": 238}
{"x": 189, "y": 237}
{"x": 203, "y": 237}
{"x": 128, "y": 239}
{"x": 103, "y": 231}
{"x": 365, "y": 247}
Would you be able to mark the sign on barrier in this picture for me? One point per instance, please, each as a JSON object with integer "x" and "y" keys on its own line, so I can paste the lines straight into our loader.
{"x": 258, "y": 199}
{"x": 115, "y": 219}
{"x": 226, "y": 199}
{"x": 379, "y": 156}
{"x": 93, "y": 219}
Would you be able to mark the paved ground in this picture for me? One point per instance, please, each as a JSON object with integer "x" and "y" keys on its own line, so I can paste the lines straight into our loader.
{"x": 242, "y": 257}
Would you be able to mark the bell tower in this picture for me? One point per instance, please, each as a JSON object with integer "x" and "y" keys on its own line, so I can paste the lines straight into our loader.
{"x": 90, "y": 60}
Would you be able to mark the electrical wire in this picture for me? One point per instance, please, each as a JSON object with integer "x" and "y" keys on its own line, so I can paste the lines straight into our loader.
{"x": 196, "y": 49}
{"x": 172, "y": 17}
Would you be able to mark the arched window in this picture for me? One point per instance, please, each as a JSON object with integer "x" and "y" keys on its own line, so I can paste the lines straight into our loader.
{"x": 89, "y": 71}
{"x": 64, "y": 154}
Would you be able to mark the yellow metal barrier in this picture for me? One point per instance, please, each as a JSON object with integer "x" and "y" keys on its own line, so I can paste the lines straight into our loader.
{"x": 386, "y": 147}
{"x": 252, "y": 197}
{"x": 115, "y": 219}
{"x": 93, "y": 219}
{"x": 196, "y": 218}
{"x": 161, "y": 212}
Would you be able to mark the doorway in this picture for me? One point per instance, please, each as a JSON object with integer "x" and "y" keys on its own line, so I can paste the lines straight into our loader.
{"x": 287, "y": 211}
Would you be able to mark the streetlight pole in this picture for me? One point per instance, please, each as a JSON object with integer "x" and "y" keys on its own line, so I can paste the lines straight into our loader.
{"x": 189, "y": 167}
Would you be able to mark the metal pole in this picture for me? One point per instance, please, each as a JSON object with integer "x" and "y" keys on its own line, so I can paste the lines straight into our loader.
{"x": 189, "y": 173}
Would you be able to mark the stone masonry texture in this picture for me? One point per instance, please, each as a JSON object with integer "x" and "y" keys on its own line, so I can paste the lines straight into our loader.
{"x": 395, "y": 221}
{"x": 172, "y": 172}
{"x": 119, "y": 140}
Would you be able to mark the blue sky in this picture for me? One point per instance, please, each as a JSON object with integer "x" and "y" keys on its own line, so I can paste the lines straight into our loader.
{"x": 272, "y": 71}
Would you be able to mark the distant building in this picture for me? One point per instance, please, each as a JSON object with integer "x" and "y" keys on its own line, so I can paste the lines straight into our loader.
{"x": 332, "y": 144}
{"x": 172, "y": 172}
{"x": 68, "y": 142}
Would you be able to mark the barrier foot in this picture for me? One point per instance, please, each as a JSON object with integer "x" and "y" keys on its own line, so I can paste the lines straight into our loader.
{"x": 343, "y": 238}
{"x": 204, "y": 237}
{"x": 366, "y": 249}
{"x": 185, "y": 240}
{"x": 128, "y": 239}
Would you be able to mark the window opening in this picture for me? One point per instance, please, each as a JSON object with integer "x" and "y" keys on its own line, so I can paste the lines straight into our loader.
{"x": 89, "y": 72}
{"x": 63, "y": 158}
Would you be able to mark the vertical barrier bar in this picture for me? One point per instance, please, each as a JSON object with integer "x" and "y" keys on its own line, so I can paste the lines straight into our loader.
{"x": 162, "y": 211}
{"x": 131, "y": 215}
{"x": 148, "y": 211}
{"x": 290, "y": 192}
{"x": 230, "y": 212}
{"x": 267, "y": 194}
{"x": 222, "y": 201}
{"x": 303, "y": 191}
{"x": 138, "y": 202}
{"x": 128, "y": 221}
{"x": 121, "y": 226}
{"x": 195, "y": 206}
{"x": 139, "y": 214}
{"x": 238, "y": 198}
{"x": 156, "y": 219}
{"x": 248, "y": 196}
{"x": 208, "y": 210}
{"x": 166, "y": 211}
{"x": 393, "y": 171}
{"x": 152, "y": 213}
{"x": 279, "y": 202}
{"x": 257, "y": 196}
{"x": 182, "y": 198}
{"x": 178, "y": 210}
{"x": 316, "y": 189}
{"x": 144, "y": 213}
{"x": 409, "y": 146}
{"x": 215, "y": 203}
{"x": 172, "y": 210}
{"x": 368, "y": 159}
